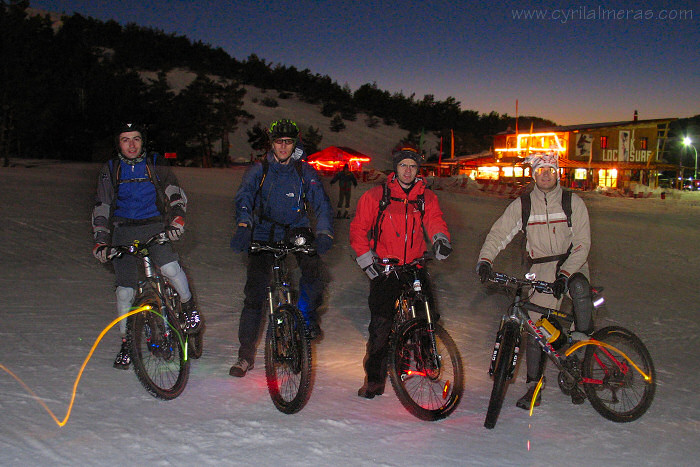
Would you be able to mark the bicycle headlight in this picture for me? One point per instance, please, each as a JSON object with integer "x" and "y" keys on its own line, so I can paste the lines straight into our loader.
{"x": 300, "y": 236}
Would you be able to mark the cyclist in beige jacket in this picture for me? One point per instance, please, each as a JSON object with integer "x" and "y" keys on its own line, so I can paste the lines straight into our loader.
{"x": 558, "y": 253}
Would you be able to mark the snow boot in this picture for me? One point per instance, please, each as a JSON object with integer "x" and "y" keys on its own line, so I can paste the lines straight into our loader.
{"x": 240, "y": 368}
{"x": 123, "y": 359}
{"x": 193, "y": 321}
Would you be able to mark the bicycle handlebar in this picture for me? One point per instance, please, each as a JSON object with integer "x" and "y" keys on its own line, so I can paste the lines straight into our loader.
{"x": 505, "y": 279}
{"x": 391, "y": 264}
{"x": 281, "y": 248}
{"x": 136, "y": 246}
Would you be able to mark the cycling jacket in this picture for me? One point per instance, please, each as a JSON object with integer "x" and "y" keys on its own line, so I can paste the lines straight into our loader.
{"x": 278, "y": 204}
{"x": 400, "y": 231}
{"x": 547, "y": 235}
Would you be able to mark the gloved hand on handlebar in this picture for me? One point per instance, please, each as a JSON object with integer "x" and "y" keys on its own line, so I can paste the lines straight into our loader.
{"x": 324, "y": 243}
{"x": 559, "y": 286}
{"x": 484, "y": 270}
{"x": 441, "y": 246}
{"x": 176, "y": 228}
{"x": 100, "y": 252}
{"x": 368, "y": 263}
{"x": 240, "y": 241}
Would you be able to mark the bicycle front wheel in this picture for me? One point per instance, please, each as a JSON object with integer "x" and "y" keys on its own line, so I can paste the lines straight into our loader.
{"x": 157, "y": 349}
{"x": 288, "y": 360}
{"x": 425, "y": 369}
{"x": 617, "y": 390}
{"x": 502, "y": 372}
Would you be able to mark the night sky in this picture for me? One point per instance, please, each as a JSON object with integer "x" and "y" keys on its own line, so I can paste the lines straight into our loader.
{"x": 585, "y": 63}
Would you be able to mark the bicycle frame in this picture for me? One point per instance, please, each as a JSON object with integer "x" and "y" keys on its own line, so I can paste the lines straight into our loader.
{"x": 412, "y": 293}
{"x": 153, "y": 276}
{"x": 519, "y": 315}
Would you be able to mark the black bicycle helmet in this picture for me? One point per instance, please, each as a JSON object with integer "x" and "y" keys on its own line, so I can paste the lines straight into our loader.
{"x": 283, "y": 129}
{"x": 406, "y": 153}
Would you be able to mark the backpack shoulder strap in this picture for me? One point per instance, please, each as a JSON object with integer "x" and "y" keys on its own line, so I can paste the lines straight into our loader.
{"x": 383, "y": 204}
{"x": 566, "y": 204}
{"x": 526, "y": 204}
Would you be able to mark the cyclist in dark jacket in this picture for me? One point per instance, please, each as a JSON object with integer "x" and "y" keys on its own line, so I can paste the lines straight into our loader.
{"x": 273, "y": 199}
{"x": 346, "y": 181}
{"x": 138, "y": 196}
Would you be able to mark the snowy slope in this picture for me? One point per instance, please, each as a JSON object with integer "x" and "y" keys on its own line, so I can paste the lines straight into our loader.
{"x": 56, "y": 299}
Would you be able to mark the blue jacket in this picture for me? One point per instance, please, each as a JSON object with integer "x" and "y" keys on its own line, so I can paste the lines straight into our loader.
{"x": 279, "y": 204}
{"x": 128, "y": 192}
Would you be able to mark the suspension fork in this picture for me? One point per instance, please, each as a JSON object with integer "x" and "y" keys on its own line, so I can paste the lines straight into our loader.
{"x": 153, "y": 276}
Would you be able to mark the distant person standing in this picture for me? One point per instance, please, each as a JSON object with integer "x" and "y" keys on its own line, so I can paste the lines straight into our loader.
{"x": 346, "y": 181}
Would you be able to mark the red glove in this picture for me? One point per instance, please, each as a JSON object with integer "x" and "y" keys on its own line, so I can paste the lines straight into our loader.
{"x": 176, "y": 228}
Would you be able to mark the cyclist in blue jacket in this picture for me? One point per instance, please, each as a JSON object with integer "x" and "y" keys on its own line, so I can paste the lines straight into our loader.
{"x": 139, "y": 196}
{"x": 275, "y": 197}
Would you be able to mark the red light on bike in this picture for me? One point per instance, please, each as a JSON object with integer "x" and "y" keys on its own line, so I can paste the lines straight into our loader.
{"x": 446, "y": 389}
{"x": 415, "y": 373}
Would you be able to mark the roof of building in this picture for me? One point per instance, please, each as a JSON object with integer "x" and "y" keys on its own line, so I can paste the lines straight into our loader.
{"x": 593, "y": 126}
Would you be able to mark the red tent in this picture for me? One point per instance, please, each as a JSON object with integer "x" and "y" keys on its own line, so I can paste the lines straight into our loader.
{"x": 333, "y": 158}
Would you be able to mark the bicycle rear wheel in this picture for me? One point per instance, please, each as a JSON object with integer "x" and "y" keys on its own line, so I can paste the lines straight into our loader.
{"x": 615, "y": 388}
{"x": 288, "y": 360}
{"x": 502, "y": 372}
{"x": 427, "y": 379}
{"x": 157, "y": 349}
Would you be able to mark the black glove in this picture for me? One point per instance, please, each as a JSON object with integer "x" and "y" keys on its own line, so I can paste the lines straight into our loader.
{"x": 324, "y": 243}
{"x": 484, "y": 270}
{"x": 240, "y": 241}
{"x": 100, "y": 251}
{"x": 441, "y": 246}
{"x": 559, "y": 286}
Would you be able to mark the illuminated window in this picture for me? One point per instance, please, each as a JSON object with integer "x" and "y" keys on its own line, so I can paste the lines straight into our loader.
{"x": 603, "y": 142}
{"x": 644, "y": 143}
{"x": 607, "y": 177}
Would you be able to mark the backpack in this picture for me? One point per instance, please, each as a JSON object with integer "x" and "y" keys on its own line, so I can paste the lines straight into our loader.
{"x": 384, "y": 202}
{"x": 526, "y": 204}
{"x": 163, "y": 205}
{"x": 265, "y": 168}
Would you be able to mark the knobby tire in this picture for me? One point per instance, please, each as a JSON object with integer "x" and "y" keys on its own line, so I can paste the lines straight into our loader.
{"x": 288, "y": 360}
{"x": 158, "y": 357}
{"x": 426, "y": 391}
{"x": 504, "y": 360}
{"x": 624, "y": 395}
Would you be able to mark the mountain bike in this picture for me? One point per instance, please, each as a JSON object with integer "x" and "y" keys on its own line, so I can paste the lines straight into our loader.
{"x": 616, "y": 374}
{"x": 287, "y": 346}
{"x": 159, "y": 347}
{"x": 425, "y": 367}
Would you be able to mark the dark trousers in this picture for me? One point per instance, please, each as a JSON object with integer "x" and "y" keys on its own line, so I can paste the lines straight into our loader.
{"x": 126, "y": 267}
{"x": 257, "y": 281}
{"x": 344, "y": 196}
{"x": 383, "y": 293}
{"x": 580, "y": 292}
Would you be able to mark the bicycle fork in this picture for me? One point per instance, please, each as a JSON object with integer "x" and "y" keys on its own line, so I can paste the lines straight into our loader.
{"x": 497, "y": 347}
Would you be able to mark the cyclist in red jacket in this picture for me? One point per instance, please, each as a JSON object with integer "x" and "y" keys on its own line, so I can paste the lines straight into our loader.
{"x": 393, "y": 231}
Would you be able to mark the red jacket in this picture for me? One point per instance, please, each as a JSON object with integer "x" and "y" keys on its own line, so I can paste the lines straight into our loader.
{"x": 400, "y": 233}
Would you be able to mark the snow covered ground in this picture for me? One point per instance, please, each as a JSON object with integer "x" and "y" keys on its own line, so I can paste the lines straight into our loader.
{"x": 56, "y": 299}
